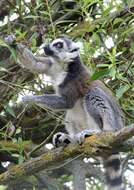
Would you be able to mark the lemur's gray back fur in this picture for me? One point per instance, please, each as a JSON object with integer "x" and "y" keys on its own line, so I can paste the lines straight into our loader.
{"x": 89, "y": 104}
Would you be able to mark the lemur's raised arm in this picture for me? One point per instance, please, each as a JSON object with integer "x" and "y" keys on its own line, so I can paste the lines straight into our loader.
{"x": 27, "y": 59}
{"x": 31, "y": 62}
{"x": 90, "y": 106}
{"x": 44, "y": 65}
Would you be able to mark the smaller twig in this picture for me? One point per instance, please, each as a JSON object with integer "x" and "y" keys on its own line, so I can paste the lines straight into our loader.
{"x": 50, "y": 17}
{"x": 131, "y": 62}
{"x": 128, "y": 114}
{"x": 13, "y": 85}
{"x": 53, "y": 114}
{"x": 43, "y": 143}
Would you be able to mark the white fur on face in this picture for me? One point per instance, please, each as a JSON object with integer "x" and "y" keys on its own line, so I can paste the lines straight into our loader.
{"x": 68, "y": 56}
{"x": 65, "y": 54}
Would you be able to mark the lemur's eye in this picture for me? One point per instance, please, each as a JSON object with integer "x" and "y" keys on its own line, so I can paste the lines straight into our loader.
{"x": 58, "y": 45}
{"x": 73, "y": 50}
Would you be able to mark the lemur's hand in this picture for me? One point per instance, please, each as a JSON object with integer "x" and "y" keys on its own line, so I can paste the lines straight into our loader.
{"x": 10, "y": 39}
{"x": 27, "y": 99}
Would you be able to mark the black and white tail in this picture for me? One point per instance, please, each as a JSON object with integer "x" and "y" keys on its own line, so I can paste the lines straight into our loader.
{"x": 113, "y": 173}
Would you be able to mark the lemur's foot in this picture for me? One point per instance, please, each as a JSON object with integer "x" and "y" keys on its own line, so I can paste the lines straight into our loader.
{"x": 61, "y": 139}
{"x": 80, "y": 137}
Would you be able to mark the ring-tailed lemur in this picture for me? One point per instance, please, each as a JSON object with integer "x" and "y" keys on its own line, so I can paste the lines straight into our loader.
{"x": 90, "y": 106}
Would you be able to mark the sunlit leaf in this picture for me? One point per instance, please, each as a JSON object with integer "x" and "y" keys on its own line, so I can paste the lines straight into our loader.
{"x": 3, "y": 187}
{"x": 10, "y": 110}
{"x": 100, "y": 74}
{"x": 122, "y": 90}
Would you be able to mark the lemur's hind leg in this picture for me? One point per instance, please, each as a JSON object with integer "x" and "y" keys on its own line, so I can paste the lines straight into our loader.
{"x": 63, "y": 139}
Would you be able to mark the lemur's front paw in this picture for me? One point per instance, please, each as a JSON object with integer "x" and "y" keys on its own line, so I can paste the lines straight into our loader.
{"x": 80, "y": 137}
{"x": 10, "y": 39}
{"x": 61, "y": 139}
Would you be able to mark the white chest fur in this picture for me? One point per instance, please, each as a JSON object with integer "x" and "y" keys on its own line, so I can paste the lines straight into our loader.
{"x": 58, "y": 80}
{"x": 57, "y": 74}
{"x": 78, "y": 119}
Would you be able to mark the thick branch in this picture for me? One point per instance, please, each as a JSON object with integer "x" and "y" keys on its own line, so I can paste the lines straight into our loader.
{"x": 96, "y": 145}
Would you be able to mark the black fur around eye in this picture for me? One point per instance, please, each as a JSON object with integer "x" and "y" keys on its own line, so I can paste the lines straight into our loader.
{"x": 76, "y": 49}
{"x": 58, "y": 45}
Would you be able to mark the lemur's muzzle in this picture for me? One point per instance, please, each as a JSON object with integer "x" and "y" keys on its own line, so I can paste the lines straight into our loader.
{"x": 48, "y": 51}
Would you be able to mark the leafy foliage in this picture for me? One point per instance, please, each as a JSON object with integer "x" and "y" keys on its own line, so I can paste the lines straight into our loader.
{"x": 106, "y": 31}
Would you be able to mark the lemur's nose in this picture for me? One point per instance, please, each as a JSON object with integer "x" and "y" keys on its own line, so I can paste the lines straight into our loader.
{"x": 48, "y": 51}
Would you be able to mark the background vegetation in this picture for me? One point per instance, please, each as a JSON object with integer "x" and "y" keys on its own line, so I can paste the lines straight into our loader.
{"x": 105, "y": 29}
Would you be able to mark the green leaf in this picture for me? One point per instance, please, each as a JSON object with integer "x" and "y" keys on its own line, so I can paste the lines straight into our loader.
{"x": 31, "y": 17}
{"x": 21, "y": 159}
{"x": 112, "y": 72}
{"x": 2, "y": 69}
{"x": 118, "y": 20}
{"x": 132, "y": 47}
{"x": 13, "y": 51}
{"x": 102, "y": 65}
{"x": 9, "y": 110}
{"x": 130, "y": 3}
{"x": 122, "y": 90}
{"x": 3, "y": 187}
{"x": 9, "y": 128}
{"x": 100, "y": 74}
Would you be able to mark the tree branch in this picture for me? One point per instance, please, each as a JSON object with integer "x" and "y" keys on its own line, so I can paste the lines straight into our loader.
{"x": 96, "y": 145}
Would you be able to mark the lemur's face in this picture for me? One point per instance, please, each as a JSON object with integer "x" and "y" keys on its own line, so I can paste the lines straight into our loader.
{"x": 63, "y": 49}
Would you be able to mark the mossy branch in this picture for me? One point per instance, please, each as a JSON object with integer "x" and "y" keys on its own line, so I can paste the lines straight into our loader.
{"x": 96, "y": 145}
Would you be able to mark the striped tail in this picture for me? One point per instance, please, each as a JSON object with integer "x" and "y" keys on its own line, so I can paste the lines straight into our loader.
{"x": 113, "y": 173}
